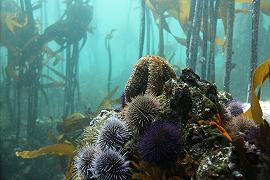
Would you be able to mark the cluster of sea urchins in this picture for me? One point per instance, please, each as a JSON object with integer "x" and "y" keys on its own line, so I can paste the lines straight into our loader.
{"x": 156, "y": 141}
{"x": 104, "y": 159}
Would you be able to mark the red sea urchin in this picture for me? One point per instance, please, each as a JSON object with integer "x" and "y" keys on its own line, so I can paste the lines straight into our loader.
{"x": 113, "y": 135}
{"x": 110, "y": 165}
{"x": 148, "y": 76}
{"x": 160, "y": 143}
{"x": 141, "y": 112}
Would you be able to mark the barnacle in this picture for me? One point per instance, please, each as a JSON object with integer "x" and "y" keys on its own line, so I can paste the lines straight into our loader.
{"x": 148, "y": 76}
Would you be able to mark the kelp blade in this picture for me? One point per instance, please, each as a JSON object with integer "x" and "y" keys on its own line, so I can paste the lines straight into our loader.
{"x": 55, "y": 149}
{"x": 260, "y": 75}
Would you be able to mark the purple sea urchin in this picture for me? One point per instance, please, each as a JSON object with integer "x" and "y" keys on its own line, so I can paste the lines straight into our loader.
{"x": 83, "y": 161}
{"x": 235, "y": 108}
{"x": 113, "y": 135}
{"x": 141, "y": 112}
{"x": 110, "y": 165}
{"x": 160, "y": 143}
{"x": 149, "y": 75}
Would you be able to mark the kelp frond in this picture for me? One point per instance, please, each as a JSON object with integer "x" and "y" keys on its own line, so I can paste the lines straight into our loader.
{"x": 260, "y": 75}
{"x": 12, "y": 23}
{"x": 55, "y": 149}
{"x": 67, "y": 149}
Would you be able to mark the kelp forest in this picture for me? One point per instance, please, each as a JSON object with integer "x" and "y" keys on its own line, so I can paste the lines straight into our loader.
{"x": 134, "y": 89}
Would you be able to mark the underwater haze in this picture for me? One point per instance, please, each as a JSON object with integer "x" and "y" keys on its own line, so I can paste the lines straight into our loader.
{"x": 134, "y": 89}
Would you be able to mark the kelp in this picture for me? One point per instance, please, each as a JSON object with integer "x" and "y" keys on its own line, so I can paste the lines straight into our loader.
{"x": 59, "y": 74}
{"x": 106, "y": 103}
{"x": 260, "y": 75}
{"x": 11, "y": 72}
{"x": 63, "y": 149}
{"x": 12, "y": 23}
{"x": 179, "y": 9}
{"x": 55, "y": 149}
{"x": 73, "y": 122}
{"x": 52, "y": 54}
{"x": 265, "y": 5}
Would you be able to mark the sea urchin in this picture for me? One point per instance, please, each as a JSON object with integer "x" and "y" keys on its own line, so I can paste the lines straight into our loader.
{"x": 244, "y": 127}
{"x": 141, "y": 112}
{"x": 110, "y": 165}
{"x": 83, "y": 161}
{"x": 160, "y": 143}
{"x": 235, "y": 108}
{"x": 113, "y": 135}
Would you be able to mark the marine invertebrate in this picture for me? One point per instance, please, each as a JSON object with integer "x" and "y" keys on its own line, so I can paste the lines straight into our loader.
{"x": 141, "y": 112}
{"x": 83, "y": 161}
{"x": 243, "y": 126}
{"x": 160, "y": 143}
{"x": 91, "y": 132}
{"x": 113, "y": 135}
{"x": 110, "y": 165}
{"x": 148, "y": 76}
{"x": 235, "y": 108}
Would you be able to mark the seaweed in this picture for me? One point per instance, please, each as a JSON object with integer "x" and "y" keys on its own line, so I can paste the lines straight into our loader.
{"x": 259, "y": 77}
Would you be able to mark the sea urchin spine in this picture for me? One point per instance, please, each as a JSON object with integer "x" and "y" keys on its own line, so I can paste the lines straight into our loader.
{"x": 110, "y": 165}
{"x": 160, "y": 143}
{"x": 141, "y": 112}
{"x": 113, "y": 135}
{"x": 83, "y": 161}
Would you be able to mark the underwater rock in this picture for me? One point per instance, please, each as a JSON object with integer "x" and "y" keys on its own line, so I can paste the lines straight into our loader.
{"x": 224, "y": 97}
{"x": 148, "y": 76}
{"x": 215, "y": 165}
{"x": 188, "y": 97}
{"x": 178, "y": 131}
